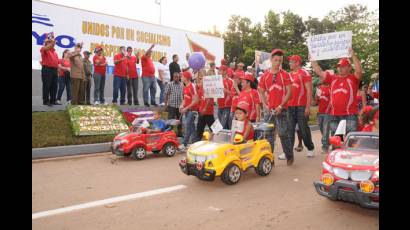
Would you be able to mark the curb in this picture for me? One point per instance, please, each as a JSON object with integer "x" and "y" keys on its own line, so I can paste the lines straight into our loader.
{"x": 71, "y": 150}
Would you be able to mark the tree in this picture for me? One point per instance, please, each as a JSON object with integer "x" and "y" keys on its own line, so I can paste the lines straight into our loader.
{"x": 237, "y": 37}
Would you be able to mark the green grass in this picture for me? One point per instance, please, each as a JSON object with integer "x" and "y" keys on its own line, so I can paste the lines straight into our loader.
{"x": 53, "y": 129}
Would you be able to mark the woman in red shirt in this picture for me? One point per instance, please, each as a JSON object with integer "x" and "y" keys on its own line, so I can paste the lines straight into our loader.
{"x": 64, "y": 79}
{"x": 206, "y": 107}
{"x": 252, "y": 96}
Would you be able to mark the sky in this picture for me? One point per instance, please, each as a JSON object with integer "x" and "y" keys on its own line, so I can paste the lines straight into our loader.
{"x": 197, "y": 15}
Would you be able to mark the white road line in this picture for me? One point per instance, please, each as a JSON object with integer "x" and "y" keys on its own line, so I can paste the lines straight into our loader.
{"x": 106, "y": 201}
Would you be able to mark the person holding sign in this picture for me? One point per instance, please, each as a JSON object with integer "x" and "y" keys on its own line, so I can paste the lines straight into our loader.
{"x": 251, "y": 96}
{"x": 189, "y": 108}
{"x": 225, "y": 103}
{"x": 241, "y": 114}
{"x": 206, "y": 107}
{"x": 276, "y": 82}
{"x": 299, "y": 104}
{"x": 343, "y": 89}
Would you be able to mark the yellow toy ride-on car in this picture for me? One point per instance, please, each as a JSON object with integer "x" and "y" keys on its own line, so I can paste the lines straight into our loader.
{"x": 220, "y": 155}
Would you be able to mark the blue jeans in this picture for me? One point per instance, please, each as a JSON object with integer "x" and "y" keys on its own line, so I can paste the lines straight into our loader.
{"x": 99, "y": 85}
{"x": 323, "y": 121}
{"x": 120, "y": 83}
{"x": 297, "y": 116}
{"x": 148, "y": 84}
{"x": 64, "y": 82}
{"x": 351, "y": 123}
{"x": 224, "y": 117}
{"x": 161, "y": 88}
{"x": 189, "y": 127}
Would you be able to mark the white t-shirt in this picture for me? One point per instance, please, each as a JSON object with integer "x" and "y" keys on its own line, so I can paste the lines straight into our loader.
{"x": 165, "y": 68}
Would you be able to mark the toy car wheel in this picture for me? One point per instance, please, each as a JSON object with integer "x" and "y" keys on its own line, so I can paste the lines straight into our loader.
{"x": 264, "y": 166}
{"x": 138, "y": 153}
{"x": 169, "y": 149}
{"x": 231, "y": 174}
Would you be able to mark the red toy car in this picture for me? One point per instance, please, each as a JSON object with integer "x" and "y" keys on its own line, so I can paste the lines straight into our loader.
{"x": 351, "y": 173}
{"x": 136, "y": 143}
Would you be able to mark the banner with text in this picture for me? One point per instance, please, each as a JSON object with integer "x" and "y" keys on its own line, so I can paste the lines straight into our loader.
{"x": 213, "y": 86}
{"x": 330, "y": 45}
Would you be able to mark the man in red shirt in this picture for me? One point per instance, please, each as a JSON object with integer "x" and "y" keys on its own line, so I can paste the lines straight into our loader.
{"x": 224, "y": 104}
{"x": 343, "y": 90}
{"x": 299, "y": 104}
{"x": 100, "y": 67}
{"x": 149, "y": 83}
{"x": 276, "y": 82}
{"x": 239, "y": 69}
{"x": 206, "y": 107}
{"x": 120, "y": 76}
{"x": 49, "y": 75}
{"x": 323, "y": 98}
{"x": 189, "y": 108}
{"x": 251, "y": 96}
{"x": 132, "y": 77}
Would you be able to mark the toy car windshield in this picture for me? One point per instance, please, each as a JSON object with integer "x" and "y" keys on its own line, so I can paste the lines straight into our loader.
{"x": 363, "y": 142}
{"x": 223, "y": 136}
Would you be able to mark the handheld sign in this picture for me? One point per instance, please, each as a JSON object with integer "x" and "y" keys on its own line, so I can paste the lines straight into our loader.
{"x": 341, "y": 128}
{"x": 213, "y": 86}
{"x": 216, "y": 126}
{"x": 237, "y": 126}
{"x": 330, "y": 45}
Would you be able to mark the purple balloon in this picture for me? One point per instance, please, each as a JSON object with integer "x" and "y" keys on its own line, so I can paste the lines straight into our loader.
{"x": 196, "y": 61}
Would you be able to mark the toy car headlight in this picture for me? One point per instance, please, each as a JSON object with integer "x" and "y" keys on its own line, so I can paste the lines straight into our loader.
{"x": 367, "y": 186}
{"x": 327, "y": 167}
{"x": 327, "y": 179}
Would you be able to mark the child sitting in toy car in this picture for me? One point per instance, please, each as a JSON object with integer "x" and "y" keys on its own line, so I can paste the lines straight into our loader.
{"x": 242, "y": 115}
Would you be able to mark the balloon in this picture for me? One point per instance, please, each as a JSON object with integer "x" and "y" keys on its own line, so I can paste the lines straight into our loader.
{"x": 196, "y": 61}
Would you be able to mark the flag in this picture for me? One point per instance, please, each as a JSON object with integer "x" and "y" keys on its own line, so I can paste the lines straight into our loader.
{"x": 195, "y": 47}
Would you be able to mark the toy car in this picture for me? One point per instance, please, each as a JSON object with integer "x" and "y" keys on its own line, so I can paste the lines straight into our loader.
{"x": 220, "y": 156}
{"x": 136, "y": 143}
{"x": 351, "y": 172}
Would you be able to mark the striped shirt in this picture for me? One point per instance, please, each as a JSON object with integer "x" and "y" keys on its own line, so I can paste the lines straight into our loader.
{"x": 174, "y": 92}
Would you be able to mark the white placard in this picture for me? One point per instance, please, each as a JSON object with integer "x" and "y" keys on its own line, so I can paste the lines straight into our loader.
{"x": 330, "y": 45}
{"x": 216, "y": 126}
{"x": 341, "y": 128}
{"x": 213, "y": 86}
{"x": 237, "y": 126}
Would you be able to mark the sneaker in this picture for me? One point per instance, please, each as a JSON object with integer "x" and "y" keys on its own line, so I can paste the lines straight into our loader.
{"x": 96, "y": 103}
{"x": 162, "y": 104}
{"x": 309, "y": 153}
{"x": 58, "y": 102}
{"x": 182, "y": 148}
{"x": 282, "y": 156}
{"x": 68, "y": 102}
{"x": 155, "y": 105}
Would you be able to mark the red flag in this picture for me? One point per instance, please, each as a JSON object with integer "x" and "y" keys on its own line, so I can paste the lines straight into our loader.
{"x": 195, "y": 47}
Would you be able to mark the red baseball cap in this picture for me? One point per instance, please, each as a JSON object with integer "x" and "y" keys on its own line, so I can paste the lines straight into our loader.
{"x": 296, "y": 58}
{"x": 274, "y": 51}
{"x": 344, "y": 62}
{"x": 187, "y": 75}
{"x": 247, "y": 77}
{"x": 244, "y": 105}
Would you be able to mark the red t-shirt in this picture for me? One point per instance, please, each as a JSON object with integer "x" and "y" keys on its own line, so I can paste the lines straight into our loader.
{"x": 64, "y": 63}
{"x": 132, "y": 67}
{"x": 342, "y": 94}
{"x": 251, "y": 131}
{"x": 120, "y": 69}
{"x": 368, "y": 128}
{"x": 226, "y": 102}
{"x": 239, "y": 72}
{"x": 299, "y": 92}
{"x": 229, "y": 72}
{"x": 189, "y": 93}
{"x": 324, "y": 99}
{"x": 276, "y": 90}
{"x": 99, "y": 69}
{"x": 203, "y": 101}
{"x": 252, "y": 97}
{"x": 148, "y": 69}
{"x": 49, "y": 57}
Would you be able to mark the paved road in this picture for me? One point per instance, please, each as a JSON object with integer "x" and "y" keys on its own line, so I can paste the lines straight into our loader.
{"x": 285, "y": 199}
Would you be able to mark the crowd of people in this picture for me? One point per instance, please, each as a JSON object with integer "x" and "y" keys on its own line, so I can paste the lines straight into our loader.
{"x": 275, "y": 96}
